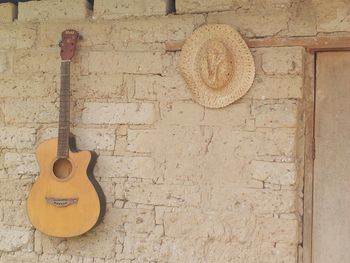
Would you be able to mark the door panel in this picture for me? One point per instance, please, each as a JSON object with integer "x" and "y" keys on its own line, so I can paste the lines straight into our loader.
{"x": 331, "y": 208}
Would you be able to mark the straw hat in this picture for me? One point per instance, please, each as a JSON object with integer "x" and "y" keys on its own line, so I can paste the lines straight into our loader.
{"x": 217, "y": 65}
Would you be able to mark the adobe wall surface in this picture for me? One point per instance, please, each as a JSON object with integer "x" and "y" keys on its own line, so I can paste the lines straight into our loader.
{"x": 183, "y": 183}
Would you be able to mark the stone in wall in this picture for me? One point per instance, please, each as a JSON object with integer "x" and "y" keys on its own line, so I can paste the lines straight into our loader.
{"x": 53, "y": 9}
{"x": 125, "y": 62}
{"x": 275, "y": 113}
{"x": 92, "y": 138}
{"x": 3, "y": 63}
{"x": 263, "y": 20}
{"x": 15, "y": 239}
{"x": 276, "y": 87}
{"x": 273, "y": 172}
{"x": 112, "y": 9}
{"x": 155, "y": 87}
{"x": 148, "y": 33}
{"x": 8, "y": 12}
{"x": 30, "y": 110}
{"x": 332, "y": 16}
{"x": 17, "y": 35}
{"x": 21, "y": 164}
{"x": 17, "y": 138}
{"x": 123, "y": 113}
{"x": 191, "y": 6}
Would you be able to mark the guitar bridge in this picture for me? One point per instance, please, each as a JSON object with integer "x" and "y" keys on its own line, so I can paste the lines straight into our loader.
{"x": 61, "y": 202}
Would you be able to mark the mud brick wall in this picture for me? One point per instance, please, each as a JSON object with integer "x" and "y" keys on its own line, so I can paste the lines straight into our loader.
{"x": 183, "y": 183}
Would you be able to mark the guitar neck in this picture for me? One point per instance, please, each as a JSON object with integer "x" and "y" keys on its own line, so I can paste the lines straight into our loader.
{"x": 64, "y": 114}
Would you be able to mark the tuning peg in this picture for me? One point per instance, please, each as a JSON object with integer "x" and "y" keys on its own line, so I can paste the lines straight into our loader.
{"x": 60, "y": 43}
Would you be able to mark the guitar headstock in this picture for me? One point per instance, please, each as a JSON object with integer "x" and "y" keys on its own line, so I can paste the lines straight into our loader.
{"x": 68, "y": 43}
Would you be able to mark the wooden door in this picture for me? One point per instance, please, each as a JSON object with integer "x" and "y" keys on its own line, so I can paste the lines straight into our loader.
{"x": 331, "y": 199}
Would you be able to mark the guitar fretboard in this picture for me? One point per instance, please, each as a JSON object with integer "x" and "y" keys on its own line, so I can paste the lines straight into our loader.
{"x": 64, "y": 114}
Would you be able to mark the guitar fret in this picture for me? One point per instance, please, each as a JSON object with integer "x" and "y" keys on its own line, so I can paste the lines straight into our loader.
{"x": 64, "y": 112}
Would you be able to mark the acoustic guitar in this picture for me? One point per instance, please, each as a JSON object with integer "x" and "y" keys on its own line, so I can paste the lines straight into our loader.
{"x": 65, "y": 200}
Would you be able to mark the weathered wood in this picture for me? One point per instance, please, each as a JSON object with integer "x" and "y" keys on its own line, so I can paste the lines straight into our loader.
{"x": 331, "y": 225}
{"x": 310, "y": 43}
{"x": 309, "y": 100}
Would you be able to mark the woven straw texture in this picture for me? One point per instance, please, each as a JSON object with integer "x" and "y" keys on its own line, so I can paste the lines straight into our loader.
{"x": 217, "y": 65}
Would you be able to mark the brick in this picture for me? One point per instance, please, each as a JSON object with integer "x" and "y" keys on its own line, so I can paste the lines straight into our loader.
{"x": 279, "y": 230}
{"x": 136, "y": 220}
{"x": 52, "y": 10}
{"x": 35, "y": 61}
{"x": 15, "y": 239}
{"x": 30, "y": 110}
{"x": 90, "y": 86}
{"x": 38, "y": 248}
{"x": 95, "y": 244}
{"x": 134, "y": 246}
{"x": 246, "y": 144}
{"x": 332, "y": 17}
{"x": 271, "y": 252}
{"x": 185, "y": 113}
{"x": 121, "y": 113}
{"x": 130, "y": 33}
{"x": 276, "y": 87}
{"x": 262, "y": 21}
{"x": 276, "y": 142}
{"x": 125, "y": 62}
{"x": 273, "y": 172}
{"x": 140, "y": 140}
{"x": 94, "y": 139}
{"x": 18, "y": 164}
{"x": 215, "y": 225}
{"x": 168, "y": 195}
{"x": 8, "y": 12}
{"x": 275, "y": 114}
{"x": 190, "y": 6}
{"x": 285, "y": 60}
{"x": 2, "y": 113}
{"x": 17, "y": 138}
{"x": 179, "y": 138}
{"x": 123, "y": 166}
{"x": 154, "y": 87}
{"x": 303, "y": 20}
{"x": 108, "y": 187}
{"x": 15, "y": 214}
{"x": 234, "y": 115}
{"x": 174, "y": 250}
{"x": 159, "y": 214}
{"x": 261, "y": 201}
{"x": 184, "y": 159}
{"x": 3, "y": 62}
{"x": 17, "y": 35}
{"x": 23, "y": 86}
{"x": 30, "y": 257}
{"x": 112, "y": 9}
{"x": 15, "y": 189}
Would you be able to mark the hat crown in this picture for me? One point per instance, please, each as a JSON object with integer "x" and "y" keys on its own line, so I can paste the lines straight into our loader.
{"x": 215, "y": 64}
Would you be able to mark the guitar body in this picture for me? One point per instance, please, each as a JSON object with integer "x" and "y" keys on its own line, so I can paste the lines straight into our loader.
{"x": 64, "y": 201}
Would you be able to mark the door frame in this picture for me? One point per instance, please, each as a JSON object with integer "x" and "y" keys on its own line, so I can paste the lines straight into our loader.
{"x": 309, "y": 101}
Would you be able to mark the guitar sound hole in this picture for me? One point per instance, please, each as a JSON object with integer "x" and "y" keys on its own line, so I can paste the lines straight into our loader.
{"x": 62, "y": 168}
